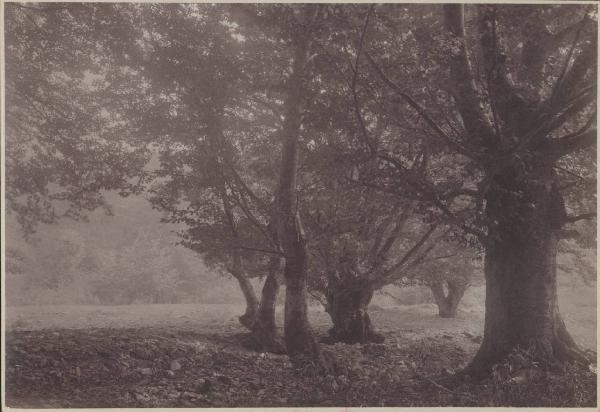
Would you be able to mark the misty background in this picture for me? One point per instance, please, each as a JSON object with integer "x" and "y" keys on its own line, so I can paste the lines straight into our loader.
{"x": 132, "y": 258}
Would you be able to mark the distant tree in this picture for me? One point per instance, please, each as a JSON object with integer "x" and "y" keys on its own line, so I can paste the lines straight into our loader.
{"x": 448, "y": 274}
{"x": 16, "y": 279}
{"x": 14, "y": 261}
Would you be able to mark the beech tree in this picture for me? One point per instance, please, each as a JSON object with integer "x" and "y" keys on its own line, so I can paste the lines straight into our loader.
{"x": 362, "y": 238}
{"x": 363, "y": 241}
{"x": 522, "y": 143}
{"x": 195, "y": 173}
{"x": 515, "y": 112}
{"x": 65, "y": 143}
{"x": 131, "y": 94}
{"x": 299, "y": 339}
{"x": 448, "y": 274}
{"x": 193, "y": 120}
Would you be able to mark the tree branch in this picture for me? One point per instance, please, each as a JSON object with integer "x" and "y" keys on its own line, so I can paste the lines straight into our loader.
{"x": 421, "y": 111}
{"x": 585, "y": 61}
{"x": 382, "y": 253}
{"x": 266, "y": 233}
{"x": 382, "y": 279}
{"x": 464, "y": 86}
{"x": 357, "y": 109}
{"x": 260, "y": 202}
{"x": 572, "y": 142}
{"x": 567, "y": 171}
{"x": 583, "y": 216}
{"x": 557, "y": 85}
{"x": 556, "y": 120}
{"x": 273, "y": 252}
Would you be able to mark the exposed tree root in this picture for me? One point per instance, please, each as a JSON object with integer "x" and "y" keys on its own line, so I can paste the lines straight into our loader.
{"x": 539, "y": 353}
{"x": 247, "y": 319}
{"x": 354, "y": 328}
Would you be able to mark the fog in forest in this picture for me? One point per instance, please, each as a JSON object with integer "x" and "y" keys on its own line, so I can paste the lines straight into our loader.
{"x": 132, "y": 258}
{"x": 293, "y": 205}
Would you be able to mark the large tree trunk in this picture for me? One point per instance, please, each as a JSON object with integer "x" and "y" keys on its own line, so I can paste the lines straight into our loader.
{"x": 347, "y": 306}
{"x": 521, "y": 308}
{"x": 264, "y": 330}
{"x": 447, "y": 295}
{"x": 524, "y": 208}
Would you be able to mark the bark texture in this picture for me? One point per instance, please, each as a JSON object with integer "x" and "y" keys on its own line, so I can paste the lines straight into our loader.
{"x": 521, "y": 308}
{"x": 264, "y": 329}
{"x": 299, "y": 339}
{"x": 447, "y": 295}
{"x": 347, "y": 306}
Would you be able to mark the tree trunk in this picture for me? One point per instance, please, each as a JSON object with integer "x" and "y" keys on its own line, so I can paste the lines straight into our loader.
{"x": 521, "y": 307}
{"x": 264, "y": 330}
{"x": 299, "y": 339}
{"x": 447, "y": 302}
{"x": 247, "y": 319}
{"x": 524, "y": 208}
{"x": 347, "y": 306}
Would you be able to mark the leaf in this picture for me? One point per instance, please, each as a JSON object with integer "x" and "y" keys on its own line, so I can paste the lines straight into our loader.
{"x": 175, "y": 365}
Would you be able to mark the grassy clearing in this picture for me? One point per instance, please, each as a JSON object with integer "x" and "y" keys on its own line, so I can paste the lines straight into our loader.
{"x": 577, "y": 303}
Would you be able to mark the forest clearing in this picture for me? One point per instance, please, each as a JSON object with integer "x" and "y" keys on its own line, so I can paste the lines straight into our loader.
{"x": 299, "y": 204}
{"x": 138, "y": 344}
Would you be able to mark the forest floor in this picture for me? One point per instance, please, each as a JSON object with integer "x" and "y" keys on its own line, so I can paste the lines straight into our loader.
{"x": 191, "y": 356}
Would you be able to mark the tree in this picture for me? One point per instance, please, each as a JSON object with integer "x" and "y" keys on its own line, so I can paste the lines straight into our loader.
{"x": 524, "y": 206}
{"x": 16, "y": 279}
{"x": 128, "y": 83}
{"x": 64, "y": 144}
{"x": 508, "y": 135}
{"x": 191, "y": 182}
{"x": 140, "y": 272}
{"x": 449, "y": 276}
{"x": 299, "y": 339}
{"x": 363, "y": 241}
{"x": 361, "y": 238}
{"x": 194, "y": 124}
